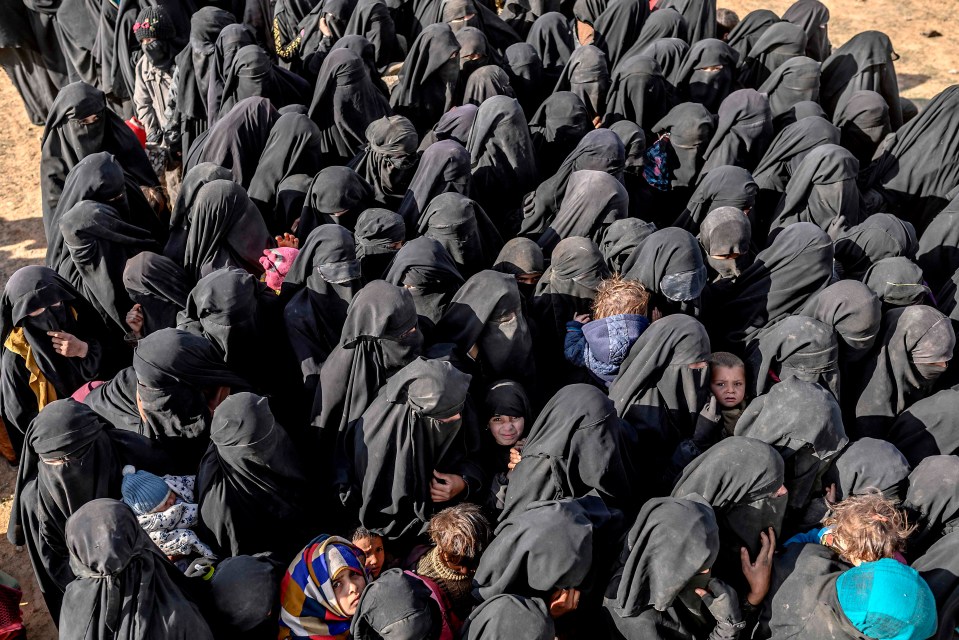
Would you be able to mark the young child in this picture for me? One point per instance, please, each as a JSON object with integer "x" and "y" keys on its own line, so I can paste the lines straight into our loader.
{"x": 166, "y": 511}
{"x": 459, "y": 534}
{"x": 619, "y": 318}
{"x": 372, "y": 546}
{"x": 154, "y": 83}
{"x": 728, "y": 384}
{"x": 863, "y": 528}
{"x": 726, "y": 21}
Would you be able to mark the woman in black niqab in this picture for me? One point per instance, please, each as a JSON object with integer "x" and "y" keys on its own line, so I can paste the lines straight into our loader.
{"x": 662, "y": 23}
{"x": 700, "y": 17}
{"x": 550, "y": 35}
{"x": 926, "y": 428}
{"x": 252, "y": 74}
{"x": 293, "y": 147}
{"x": 238, "y": 139}
{"x": 193, "y": 181}
{"x": 586, "y": 74}
{"x": 690, "y": 127}
{"x": 251, "y": 484}
{"x": 226, "y": 230}
{"x": 745, "y": 34}
{"x": 125, "y": 586}
{"x": 444, "y": 167}
{"x": 881, "y": 235}
{"x": 672, "y": 542}
{"x": 669, "y": 264}
{"x": 464, "y": 230}
{"x": 159, "y": 286}
{"x": 428, "y": 77}
{"x": 337, "y": 195}
{"x": 325, "y": 276}
{"x": 80, "y": 124}
{"x": 619, "y": 26}
{"x": 898, "y": 282}
{"x": 344, "y": 105}
{"x": 454, "y": 125}
{"x": 523, "y": 259}
{"x": 506, "y": 614}
{"x": 669, "y": 53}
{"x": 863, "y": 123}
{"x": 231, "y": 39}
{"x": 725, "y": 186}
{"x": 388, "y": 161}
{"x": 795, "y": 347}
{"x": 638, "y": 93}
{"x": 556, "y": 128}
{"x": 379, "y": 235}
{"x": 744, "y": 131}
{"x": 414, "y": 427}
{"x": 868, "y": 465}
{"x": 525, "y": 71}
{"x": 708, "y": 73}
{"x": 426, "y": 269}
{"x": 865, "y": 61}
{"x": 932, "y": 501}
{"x": 813, "y": 17}
{"x": 373, "y": 20}
{"x": 852, "y": 309}
{"x": 593, "y": 201}
{"x": 779, "y": 43}
{"x": 486, "y": 82}
{"x": 794, "y": 81}
{"x": 621, "y": 239}
{"x": 725, "y": 238}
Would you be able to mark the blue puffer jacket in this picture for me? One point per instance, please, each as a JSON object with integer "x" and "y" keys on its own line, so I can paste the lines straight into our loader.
{"x": 602, "y": 345}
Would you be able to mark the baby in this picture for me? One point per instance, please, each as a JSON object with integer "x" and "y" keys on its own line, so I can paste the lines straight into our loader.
{"x": 728, "y": 384}
{"x": 619, "y": 318}
{"x": 165, "y": 510}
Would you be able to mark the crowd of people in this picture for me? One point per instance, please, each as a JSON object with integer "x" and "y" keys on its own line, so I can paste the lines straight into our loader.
{"x": 481, "y": 319}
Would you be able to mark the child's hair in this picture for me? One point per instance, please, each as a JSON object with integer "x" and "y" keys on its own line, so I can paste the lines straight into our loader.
{"x": 361, "y": 533}
{"x": 617, "y": 295}
{"x": 158, "y": 200}
{"x": 727, "y": 20}
{"x": 461, "y": 532}
{"x": 726, "y": 359}
{"x": 869, "y": 527}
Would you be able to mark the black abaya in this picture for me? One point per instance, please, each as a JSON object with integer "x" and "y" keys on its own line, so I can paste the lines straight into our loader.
{"x": 638, "y": 93}
{"x": 159, "y": 286}
{"x": 464, "y": 230}
{"x": 426, "y": 269}
{"x": 744, "y": 131}
{"x": 238, "y": 139}
{"x": 813, "y": 17}
{"x": 443, "y": 168}
{"x": 425, "y": 88}
{"x": 881, "y": 235}
{"x": 388, "y": 161}
{"x": 865, "y": 61}
{"x": 708, "y": 73}
{"x": 336, "y": 195}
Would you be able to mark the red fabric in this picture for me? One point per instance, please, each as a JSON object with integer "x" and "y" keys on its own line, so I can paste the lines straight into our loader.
{"x": 138, "y": 130}
{"x": 11, "y": 620}
{"x": 81, "y": 394}
{"x": 451, "y": 624}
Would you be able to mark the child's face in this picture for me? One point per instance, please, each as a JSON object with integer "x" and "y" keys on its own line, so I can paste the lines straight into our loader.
{"x": 506, "y": 430}
{"x": 166, "y": 504}
{"x": 347, "y": 588}
{"x": 728, "y": 385}
{"x": 375, "y": 554}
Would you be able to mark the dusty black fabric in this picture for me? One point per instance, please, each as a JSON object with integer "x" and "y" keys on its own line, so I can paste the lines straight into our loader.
{"x": 891, "y": 381}
{"x": 193, "y": 180}
{"x": 550, "y": 35}
{"x": 392, "y": 450}
{"x": 795, "y": 347}
{"x": 796, "y": 80}
{"x": 789, "y": 147}
{"x": 750, "y": 27}
{"x": 389, "y": 160}
{"x": 593, "y": 201}
{"x": 864, "y": 123}
{"x": 325, "y": 277}
{"x": 931, "y": 500}
{"x": 521, "y": 257}
{"x": 662, "y": 23}
{"x": 852, "y": 309}
{"x": 690, "y": 127}
{"x": 454, "y": 125}
{"x": 670, "y": 265}
{"x": 372, "y": 20}
{"x": 938, "y": 251}
{"x": 897, "y": 281}
{"x": 813, "y": 17}
{"x": 398, "y": 604}
{"x": 925, "y": 428}
{"x": 707, "y": 87}
{"x": 783, "y": 277}
{"x": 779, "y": 43}
{"x": 803, "y": 421}
{"x": 638, "y": 92}
{"x": 587, "y": 74}
{"x": 556, "y": 128}
{"x": 293, "y": 147}
{"x": 744, "y": 131}
{"x": 231, "y": 39}
{"x": 252, "y": 74}
{"x": 125, "y": 586}
{"x": 915, "y": 175}
{"x": 238, "y": 138}
{"x": 868, "y": 464}
{"x": 619, "y": 26}
{"x": 700, "y": 17}
{"x": 725, "y": 186}
{"x": 938, "y": 567}
{"x": 486, "y": 82}
{"x": 463, "y": 228}
{"x": 821, "y": 190}
{"x": 159, "y": 286}
{"x": 506, "y": 614}
{"x": 226, "y": 230}
{"x": 865, "y": 61}
{"x": 65, "y": 142}
{"x": 725, "y": 232}
{"x": 881, "y": 235}
{"x": 444, "y": 167}
{"x": 425, "y": 268}
{"x": 337, "y": 195}
{"x": 525, "y": 70}
{"x": 425, "y": 88}
{"x": 379, "y": 235}
{"x": 251, "y": 483}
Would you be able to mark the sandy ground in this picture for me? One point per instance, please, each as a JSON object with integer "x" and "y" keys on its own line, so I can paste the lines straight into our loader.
{"x": 927, "y": 66}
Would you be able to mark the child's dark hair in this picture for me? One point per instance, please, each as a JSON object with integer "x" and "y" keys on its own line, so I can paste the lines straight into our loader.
{"x": 461, "y": 532}
{"x": 726, "y": 20}
{"x": 617, "y": 295}
{"x": 361, "y": 533}
{"x": 726, "y": 359}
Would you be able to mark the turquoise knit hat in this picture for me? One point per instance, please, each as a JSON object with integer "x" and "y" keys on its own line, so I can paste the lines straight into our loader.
{"x": 142, "y": 490}
{"x": 887, "y": 600}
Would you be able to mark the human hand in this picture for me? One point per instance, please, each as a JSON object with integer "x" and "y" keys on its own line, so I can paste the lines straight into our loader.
{"x": 758, "y": 573}
{"x": 515, "y": 455}
{"x": 563, "y": 602}
{"x": 68, "y": 345}
{"x": 597, "y": 122}
{"x": 287, "y": 240}
{"x": 446, "y": 486}
{"x": 657, "y": 314}
{"x": 325, "y": 28}
{"x": 134, "y": 320}
{"x": 836, "y": 227}
{"x": 722, "y": 602}
{"x": 831, "y": 494}
{"x": 582, "y": 318}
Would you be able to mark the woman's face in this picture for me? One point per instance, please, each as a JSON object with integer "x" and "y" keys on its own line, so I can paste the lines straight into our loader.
{"x": 506, "y": 430}
{"x": 347, "y": 589}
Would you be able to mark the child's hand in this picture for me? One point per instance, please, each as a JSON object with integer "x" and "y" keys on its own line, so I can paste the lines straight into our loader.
{"x": 134, "y": 320}
{"x": 565, "y": 601}
{"x": 446, "y": 486}
{"x": 288, "y": 240}
{"x": 758, "y": 573}
{"x": 582, "y": 318}
{"x": 831, "y": 494}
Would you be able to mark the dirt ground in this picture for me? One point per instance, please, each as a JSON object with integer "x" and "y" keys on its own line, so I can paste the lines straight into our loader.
{"x": 927, "y": 66}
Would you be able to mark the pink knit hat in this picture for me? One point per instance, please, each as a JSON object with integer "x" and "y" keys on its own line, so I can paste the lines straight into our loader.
{"x": 277, "y": 264}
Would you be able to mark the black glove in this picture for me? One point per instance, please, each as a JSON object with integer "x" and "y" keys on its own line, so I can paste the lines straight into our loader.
{"x": 723, "y": 603}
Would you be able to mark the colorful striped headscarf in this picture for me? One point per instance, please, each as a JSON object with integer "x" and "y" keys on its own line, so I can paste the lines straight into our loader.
{"x": 308, "y": 604}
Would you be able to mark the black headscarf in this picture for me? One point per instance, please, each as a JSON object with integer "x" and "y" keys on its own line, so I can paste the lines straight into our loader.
{"x": 593, "y": 201}
{"x": 724, "y": 186}
{"x": 193, "y": 180}
{"x": 444, "y": 167}
{"x": 690, "y": 127}
{"x": 293, "y": 147}
{"x": 868, "y": 464}
{"x": 618, "y": 27}
{"x": 662, "y": 23}
{"x": 725, "y": 231}
{"x": 521, "y": 257}
{"x": 745, "y": 34}
{"x": 938, "y": 251}
{"x": 897, "y": 281}
{"x": 852, "y": 309}
{"x": 739, "y": 477}
{"x": 821, "y": 190}
{"x": 344, "y": 104}
{"x": 556, "y": 128}
{"x": 916, "y": 173}
{"x": 897, "y": 373}
{"x": 425, "y": 268}
{"x": 931, "y": 500}
{"x": 925, "y": 428}
{"x": 392, "y": 450}
{"x": 425, "y": 88}
{"x": 698, "y": 78}
{"x": 865, "y": 61}
{"x": 587, "y": 75}
{"x": 700, "y": 16}
{"x": 125, "y": 587}
{"x": 226, "y": 230}
{"x": 253, "y": 73}
{"x": 621, "y": 240}
{"x": 794, "y": 81}
{"x": 864, "y": 123}
{"x": 803, "y": 421}
{"x": 789, "y": 147}
{"x": 373, "y": 20}
{"x": 504, "y": 615}
{"x": 337, "y": 195}
{"x": 326, "y": 276}
{"x": 795, "y": 347}
{"x": 238, "y": 139}
{"x": 486, "y": 82}
{"x": 454, "y": 125}
{"x": 669, "y": 53}
{"x": 881, "y": 235}
{"x": 251, "y": 483}
{"x": 638, "y": 92}
{"x": 743, "y": 132}
{"x": 401, "y": 604}
{"x": 525, "y": 71}
{"x": 464, "y": 230}
{"x": 550, "y": 35}
{"x": 159, "y": 286}
{"x": 388, "y": 161}
{"x": 379, "y": 235}
{"x": 779, "y": 43}
{"x": 813, "y": 17}
{"x": 66, "y": 142}
{"x": 670, "y": 265}
{"x": 231, "y": 39}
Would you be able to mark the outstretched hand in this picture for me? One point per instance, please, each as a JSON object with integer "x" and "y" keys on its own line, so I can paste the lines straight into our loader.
{"x": 68, "y": 345}
{"x": 758, "y": 573}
